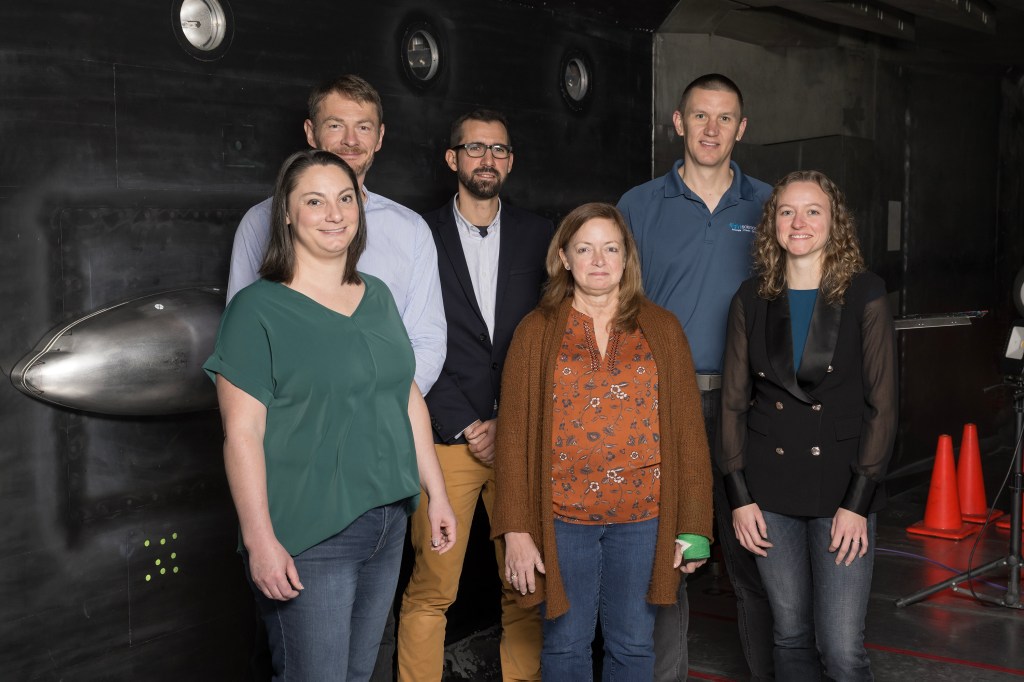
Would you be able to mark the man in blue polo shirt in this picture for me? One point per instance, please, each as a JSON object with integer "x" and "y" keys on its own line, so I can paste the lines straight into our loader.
{"x": 694, "y": 228}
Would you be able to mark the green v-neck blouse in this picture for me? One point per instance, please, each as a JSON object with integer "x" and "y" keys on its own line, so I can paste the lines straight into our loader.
{"x": 338, "y": 441}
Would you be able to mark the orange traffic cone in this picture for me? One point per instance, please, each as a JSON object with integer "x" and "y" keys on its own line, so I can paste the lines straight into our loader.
{"x": 942, "y": 513}
{"x": 971, "y": 482}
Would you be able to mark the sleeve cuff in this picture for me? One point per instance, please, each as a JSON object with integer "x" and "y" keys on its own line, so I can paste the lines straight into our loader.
{"x": 736, "y": 490}
{"x": 859, "y": 494}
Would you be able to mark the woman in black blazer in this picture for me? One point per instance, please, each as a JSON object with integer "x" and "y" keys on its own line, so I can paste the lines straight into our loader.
{"x": 809, "y": 402}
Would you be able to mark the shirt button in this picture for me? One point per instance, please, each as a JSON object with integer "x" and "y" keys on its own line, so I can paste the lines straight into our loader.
{"x": 815, "y": 451}
{"x": 778, "y": 405}
{"x": 779, "y": 451}
{"x": 816, "y": 407}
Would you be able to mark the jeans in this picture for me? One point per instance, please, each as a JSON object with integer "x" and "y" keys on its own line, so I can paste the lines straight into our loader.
{"x": 819, "y": 607}
{"x": 332, "y": 630}
{"x": 606, "y": 570}
{"x": 384, "y": 668}
{"x": 754, "y": 615}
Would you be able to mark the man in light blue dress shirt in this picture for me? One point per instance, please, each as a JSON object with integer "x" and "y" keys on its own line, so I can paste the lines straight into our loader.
{"x": 346, "y": 117}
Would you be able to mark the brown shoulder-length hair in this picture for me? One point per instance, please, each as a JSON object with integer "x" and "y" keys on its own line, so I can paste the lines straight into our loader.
{"x": 841, "y": 260}
{"x": 279, "y": 261}
{"x": 561, "y": 285}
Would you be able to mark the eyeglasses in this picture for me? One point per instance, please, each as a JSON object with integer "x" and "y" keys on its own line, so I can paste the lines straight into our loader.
{"x": 477, "y": 149}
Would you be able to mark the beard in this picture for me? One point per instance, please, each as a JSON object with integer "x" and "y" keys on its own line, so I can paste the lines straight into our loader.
{"x": 359, "y": 168}
{"x": 479, "y": 187}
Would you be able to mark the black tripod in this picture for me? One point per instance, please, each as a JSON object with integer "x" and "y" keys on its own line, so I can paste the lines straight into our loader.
{"x": 1013, "y": 559}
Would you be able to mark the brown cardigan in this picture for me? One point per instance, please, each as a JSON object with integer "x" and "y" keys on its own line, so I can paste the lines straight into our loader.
{"x": 523, "y": 460}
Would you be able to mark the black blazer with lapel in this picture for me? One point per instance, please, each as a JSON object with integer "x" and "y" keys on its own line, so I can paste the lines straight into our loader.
{"x": 807, "y": 442}
{"x": 470, "y": 381}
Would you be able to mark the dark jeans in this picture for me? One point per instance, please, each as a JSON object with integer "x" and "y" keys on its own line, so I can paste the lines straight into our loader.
{"x": 384, "y": 668}
{"x": 332, "y": 629}
{"x": 753, "y": 612}
{"x": 819, "y": 606}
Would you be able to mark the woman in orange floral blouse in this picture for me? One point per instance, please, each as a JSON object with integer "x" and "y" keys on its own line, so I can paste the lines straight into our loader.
{"x": 603, "y": 475}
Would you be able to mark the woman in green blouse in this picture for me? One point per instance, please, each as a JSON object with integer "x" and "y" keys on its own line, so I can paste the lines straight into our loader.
{"x": 327, "y": 438}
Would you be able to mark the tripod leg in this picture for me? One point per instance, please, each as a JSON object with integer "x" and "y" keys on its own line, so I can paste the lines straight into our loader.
{"x": 938, "y": 587}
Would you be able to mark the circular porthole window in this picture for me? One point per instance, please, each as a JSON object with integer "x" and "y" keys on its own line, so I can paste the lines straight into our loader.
{"x": 576, "y": 81}
{"x": 421, "y": 55}
{"x": 202, "y": 27}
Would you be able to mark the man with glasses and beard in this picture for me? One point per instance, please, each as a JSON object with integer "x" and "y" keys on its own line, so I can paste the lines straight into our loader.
{"x": 491, "y": 261}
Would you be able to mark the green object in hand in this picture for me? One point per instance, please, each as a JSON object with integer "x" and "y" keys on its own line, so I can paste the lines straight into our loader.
{"x": 695, "y": 547}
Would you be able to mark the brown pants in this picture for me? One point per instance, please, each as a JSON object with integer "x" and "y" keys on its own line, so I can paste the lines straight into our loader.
{"x": 434, "y": 583}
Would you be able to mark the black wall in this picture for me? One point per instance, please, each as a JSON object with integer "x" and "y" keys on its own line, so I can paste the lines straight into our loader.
{"x": 891, "y": 122}
{"x": 125, "y": 165}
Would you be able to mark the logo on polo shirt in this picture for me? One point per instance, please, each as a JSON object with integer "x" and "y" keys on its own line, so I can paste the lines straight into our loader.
{"x": 736, "y": 227}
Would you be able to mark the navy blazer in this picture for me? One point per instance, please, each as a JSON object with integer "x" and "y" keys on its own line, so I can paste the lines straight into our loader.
{"x": 470, "y": 382}
{"x": 807, "y": 442}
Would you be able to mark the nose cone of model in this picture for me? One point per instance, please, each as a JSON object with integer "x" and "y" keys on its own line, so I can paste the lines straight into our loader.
{"x": 140, "y": 357}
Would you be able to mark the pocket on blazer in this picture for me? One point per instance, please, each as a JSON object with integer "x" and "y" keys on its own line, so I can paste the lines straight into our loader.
{"x": 759, "y": 423}
{"x": 848, "y": 427}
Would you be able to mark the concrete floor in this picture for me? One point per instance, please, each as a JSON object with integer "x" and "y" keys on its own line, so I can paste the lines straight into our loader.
{"x": 946, "y": 636}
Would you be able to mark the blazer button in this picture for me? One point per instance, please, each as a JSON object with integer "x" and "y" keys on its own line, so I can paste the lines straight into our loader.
{"x": 816, "y": 407}
{"x": 778, "y": 405}
{"x": 494, "y": 366}
{"x": 761, "y": 374}
{"x": 815, "y": 451}
{"x": 829, "y": 370}
{"x": 483, "y": 337}
{"x": 779, "y": 451}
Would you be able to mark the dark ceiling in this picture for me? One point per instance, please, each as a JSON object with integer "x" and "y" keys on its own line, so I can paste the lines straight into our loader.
{"x": 975, "y": 33}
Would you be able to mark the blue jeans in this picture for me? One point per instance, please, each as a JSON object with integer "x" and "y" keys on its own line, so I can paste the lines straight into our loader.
{"x": 332, "y": 630}
{"x": 754, "y": 614}
{"x": 605, "y": 569}
{"x": 819, "y": 607}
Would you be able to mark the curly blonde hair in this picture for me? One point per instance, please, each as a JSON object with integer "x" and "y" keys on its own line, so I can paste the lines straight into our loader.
{"x": 842, "y": 258}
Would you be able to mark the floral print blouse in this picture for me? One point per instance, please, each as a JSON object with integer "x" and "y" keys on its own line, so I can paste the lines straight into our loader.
{"x": 605, "y": 457}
